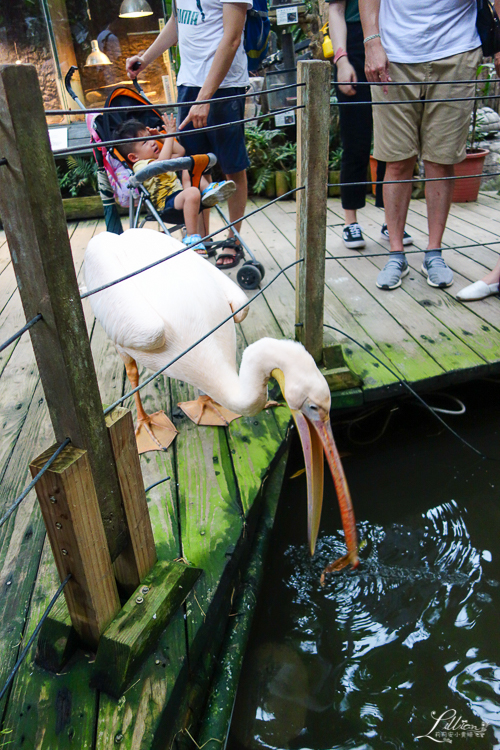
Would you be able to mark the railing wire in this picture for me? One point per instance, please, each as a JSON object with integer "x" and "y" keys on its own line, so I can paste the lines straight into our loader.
{"x": 30, "y": 486}
{"x": 34, "y": 635}
{"x": 20, "y": 333}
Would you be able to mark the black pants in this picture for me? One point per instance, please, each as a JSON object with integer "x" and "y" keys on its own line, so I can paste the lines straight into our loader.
{"x": 356, "y": 128}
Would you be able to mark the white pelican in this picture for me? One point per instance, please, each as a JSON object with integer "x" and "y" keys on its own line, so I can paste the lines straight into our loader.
{"x": 156, "y": 315}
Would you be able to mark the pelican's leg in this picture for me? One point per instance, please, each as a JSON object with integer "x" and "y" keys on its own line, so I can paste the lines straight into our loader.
{"x": 155, "y": 432}
{"x": 204, "y": 411}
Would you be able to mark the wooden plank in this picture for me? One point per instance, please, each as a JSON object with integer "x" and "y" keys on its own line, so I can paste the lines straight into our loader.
{"x": 48, "y": 711}
{"x": 35, "y": 226}
{"x": 74, "y": 526}
{"x": 211, "y": 517}
{"x": 136, "y": 629}
{"x": 278, "y": 227}
{"x": 441, "y": 305}
{"x": 142, "y": 548}
{"x": 312, "y": 173}
{"x": 254, "y": 443}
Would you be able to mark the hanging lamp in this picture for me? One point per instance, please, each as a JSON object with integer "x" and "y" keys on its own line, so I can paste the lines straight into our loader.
{"x": 96, "y": 57}
{"x": 135, "y": 9}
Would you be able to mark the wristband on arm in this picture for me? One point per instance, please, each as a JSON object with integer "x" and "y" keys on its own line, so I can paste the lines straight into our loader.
{"x": 339, "y": 53}
{"x": 369, "y": 38}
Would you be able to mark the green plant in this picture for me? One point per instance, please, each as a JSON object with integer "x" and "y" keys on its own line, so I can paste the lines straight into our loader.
{"x": 263, "y": 154}
{"x": 286, "y": 156}
{"x": 476, "y": 134}
{"x": 81, "y": 175}
{"x": 335, "y": 159}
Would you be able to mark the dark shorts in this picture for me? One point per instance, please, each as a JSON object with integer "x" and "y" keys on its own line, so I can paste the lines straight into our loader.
{"x": 228, "y": 144}
{"x": 169, "y": 201}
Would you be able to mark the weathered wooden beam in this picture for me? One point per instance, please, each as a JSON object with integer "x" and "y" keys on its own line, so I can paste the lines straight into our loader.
{"x": 76, "y": 533}
{"x": 313, "y": 125}
{"x": 58, "y": 640}
{"x": 134, "y": 632}
{"x": 140, "y": 555}
{"x": 31, "y": 209}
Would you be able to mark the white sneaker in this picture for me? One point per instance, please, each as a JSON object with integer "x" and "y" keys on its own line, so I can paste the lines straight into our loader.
{"x": 217, "y": 192}
{"x": 478, "y": 290}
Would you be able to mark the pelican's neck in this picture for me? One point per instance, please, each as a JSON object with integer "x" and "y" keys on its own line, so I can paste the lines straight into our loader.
{"x": 247, "y": 393}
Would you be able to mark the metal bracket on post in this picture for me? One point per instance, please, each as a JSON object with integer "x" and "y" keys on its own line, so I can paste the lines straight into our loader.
{"x": 313, "y": 127}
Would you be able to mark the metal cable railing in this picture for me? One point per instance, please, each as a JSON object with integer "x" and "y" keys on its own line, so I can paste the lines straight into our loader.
{"x": 20, "y": 332}
{"x": 183, "y": 249}
{"x": 30, "y": 486}
{"x": 207, "y": 129}
{"x": 413, "y": 181}
{"x": 164, "y": 105}
{"x": 33, "y": 636}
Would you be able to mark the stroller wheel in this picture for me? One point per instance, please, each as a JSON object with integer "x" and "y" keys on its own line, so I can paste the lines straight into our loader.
{"x": 260, "y": 267}
{"x": 249, "y": 275}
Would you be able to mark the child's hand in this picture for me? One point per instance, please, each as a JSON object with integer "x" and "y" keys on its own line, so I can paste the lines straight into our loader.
{"x": 153, "y": 131}
{"x": 170, "y": 123}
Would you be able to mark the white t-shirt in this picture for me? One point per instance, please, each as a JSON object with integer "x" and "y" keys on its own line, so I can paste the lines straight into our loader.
{"x": 415, "y": 31}
{"x": 200, "y": 29}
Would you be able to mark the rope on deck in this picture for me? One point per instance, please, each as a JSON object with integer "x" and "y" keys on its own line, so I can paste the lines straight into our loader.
{"x": 215, "y": 328}
{"x": 183, "y": 250}
{"x": 20, "y": 333}
{"x": 30, "y": 486}
{"x": 34, "y": 635}
{"x": 415, "y": 395}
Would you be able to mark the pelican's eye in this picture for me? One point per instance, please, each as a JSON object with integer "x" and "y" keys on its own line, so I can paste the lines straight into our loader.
{"x": 313, "y": 407}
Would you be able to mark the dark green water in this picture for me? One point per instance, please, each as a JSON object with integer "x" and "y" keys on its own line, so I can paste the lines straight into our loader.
{"x": 376, "y": 657}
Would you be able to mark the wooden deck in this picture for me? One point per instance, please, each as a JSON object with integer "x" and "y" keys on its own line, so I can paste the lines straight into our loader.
{"x": 207, "y": 511}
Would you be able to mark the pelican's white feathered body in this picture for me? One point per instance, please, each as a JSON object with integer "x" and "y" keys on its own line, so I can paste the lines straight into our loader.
{"x": 156, "y": 315}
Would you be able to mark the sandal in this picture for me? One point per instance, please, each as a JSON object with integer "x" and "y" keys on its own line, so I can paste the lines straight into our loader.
{"x": 235, "y": 259}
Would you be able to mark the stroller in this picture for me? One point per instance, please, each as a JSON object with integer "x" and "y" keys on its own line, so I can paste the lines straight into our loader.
{"x": 117, "y": 182}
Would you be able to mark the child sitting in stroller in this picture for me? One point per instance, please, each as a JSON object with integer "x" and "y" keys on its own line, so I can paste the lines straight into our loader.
{"x": 165, "y": 189}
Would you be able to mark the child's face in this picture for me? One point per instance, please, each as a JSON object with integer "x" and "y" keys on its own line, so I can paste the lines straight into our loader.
{"x": 144, "y": 149}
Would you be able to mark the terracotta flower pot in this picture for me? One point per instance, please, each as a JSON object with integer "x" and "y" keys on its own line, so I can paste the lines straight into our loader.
{"x": 468, "y": 190}
{"x": 281, "y": 183}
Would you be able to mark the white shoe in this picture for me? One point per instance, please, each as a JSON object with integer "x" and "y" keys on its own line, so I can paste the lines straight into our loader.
{"x": 478, "y": 290}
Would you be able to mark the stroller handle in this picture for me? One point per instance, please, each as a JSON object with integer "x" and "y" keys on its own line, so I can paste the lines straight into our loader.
{"x": 167, "y": 165}
{"x": 69, "y": 89}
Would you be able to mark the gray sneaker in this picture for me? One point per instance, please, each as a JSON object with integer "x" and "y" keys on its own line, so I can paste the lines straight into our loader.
{"x": 437, "y": 272}
{"x": 394, "y": 270}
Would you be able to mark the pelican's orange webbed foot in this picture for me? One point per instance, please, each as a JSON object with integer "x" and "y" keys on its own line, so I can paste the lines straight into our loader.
{"x": 204, "y": 411}
{"x": 350, "y": 559}
{"x": 155, "y": 432}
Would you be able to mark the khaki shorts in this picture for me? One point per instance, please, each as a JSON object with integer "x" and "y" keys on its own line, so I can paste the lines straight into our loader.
{"x": 437, "y": 131}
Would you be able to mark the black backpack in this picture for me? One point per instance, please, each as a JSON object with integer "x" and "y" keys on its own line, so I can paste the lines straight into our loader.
{"x": 488, "y": 27}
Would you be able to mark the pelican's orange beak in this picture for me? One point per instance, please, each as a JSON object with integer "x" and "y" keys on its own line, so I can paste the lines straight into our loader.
{"x": 316, "y": 436}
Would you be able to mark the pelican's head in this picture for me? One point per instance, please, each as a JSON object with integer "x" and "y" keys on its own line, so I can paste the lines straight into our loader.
{"x": 308, "y": 396}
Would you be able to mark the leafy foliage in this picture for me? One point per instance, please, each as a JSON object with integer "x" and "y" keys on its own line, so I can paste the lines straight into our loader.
{"x": 81, "y": 176}
{"x": 335, "y": 159}
{"x": 263, "y": 154}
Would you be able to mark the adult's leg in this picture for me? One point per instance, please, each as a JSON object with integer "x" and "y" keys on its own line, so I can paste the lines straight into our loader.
{"x": 397, "y": 199}
{"x": 238, "y": 200}
{"x": 438, "y": 198}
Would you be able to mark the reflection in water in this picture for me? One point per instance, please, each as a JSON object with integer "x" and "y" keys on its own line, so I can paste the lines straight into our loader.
{"x": 368, "y": 660}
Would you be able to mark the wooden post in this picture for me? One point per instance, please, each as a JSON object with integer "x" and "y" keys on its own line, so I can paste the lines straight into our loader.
{"x": 71, "y": 513}
{"x": 142, "y": 548}
{"x": 313, "y": 127}
{"x": 33, "y": 217}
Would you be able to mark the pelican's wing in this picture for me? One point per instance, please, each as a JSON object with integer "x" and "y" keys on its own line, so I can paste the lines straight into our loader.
{"x": 234, "y": 295}
{"x": 123, "y": 310}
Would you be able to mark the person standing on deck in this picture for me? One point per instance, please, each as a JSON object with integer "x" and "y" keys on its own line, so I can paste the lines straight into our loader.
{"x": 213, "y": 65}
{"x": 356, "y": 122}
{"x": 420, "y": 42}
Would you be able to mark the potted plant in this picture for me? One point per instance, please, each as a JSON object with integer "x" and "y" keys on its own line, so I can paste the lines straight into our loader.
{"x": 334, "y": 172}
{"x": 262, "y": 152}
{"x": 286, "y": 159}
{"x": 466, "y": 190}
